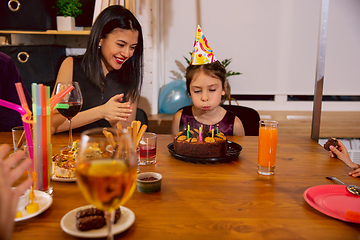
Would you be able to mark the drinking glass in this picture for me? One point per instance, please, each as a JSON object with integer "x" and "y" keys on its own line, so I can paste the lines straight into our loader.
{"x": 148, "y": 149}
{"x": 268, "y": 132}
{"x": 74, "y": 102}
{"x": 106, "y": 169}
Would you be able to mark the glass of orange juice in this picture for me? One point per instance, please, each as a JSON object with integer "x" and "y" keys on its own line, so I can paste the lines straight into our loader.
{"x": 268, "y": 132}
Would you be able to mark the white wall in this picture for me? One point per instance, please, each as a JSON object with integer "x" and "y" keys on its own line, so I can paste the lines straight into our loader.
{"x": 273, "y": 43}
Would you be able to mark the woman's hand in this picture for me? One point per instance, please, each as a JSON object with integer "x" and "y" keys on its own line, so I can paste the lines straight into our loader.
{"x": 114, "y": 111}
{"x": 9, "y": 197}
{"x": 341, "y": 153}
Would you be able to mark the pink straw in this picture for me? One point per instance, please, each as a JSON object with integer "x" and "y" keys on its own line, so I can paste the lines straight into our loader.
{"x": 27, "y": 130}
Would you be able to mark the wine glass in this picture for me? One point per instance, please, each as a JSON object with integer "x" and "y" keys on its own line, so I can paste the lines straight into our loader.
{"x": 74, "y": 102}
{"x": 106, "y": 169}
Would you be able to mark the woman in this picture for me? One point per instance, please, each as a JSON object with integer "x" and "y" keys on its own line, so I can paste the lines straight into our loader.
{"x": 110, "y": 72}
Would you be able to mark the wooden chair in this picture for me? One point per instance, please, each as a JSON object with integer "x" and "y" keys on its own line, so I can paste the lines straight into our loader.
{"x": 142, "y": 117}
{"x": 249, "y": 117}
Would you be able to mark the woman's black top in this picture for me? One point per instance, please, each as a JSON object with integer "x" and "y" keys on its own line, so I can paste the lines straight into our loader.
{"x": 92, "y": 94}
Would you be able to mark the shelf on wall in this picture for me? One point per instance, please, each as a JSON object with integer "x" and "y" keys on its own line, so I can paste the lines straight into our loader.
{"x": 48, "y": 32}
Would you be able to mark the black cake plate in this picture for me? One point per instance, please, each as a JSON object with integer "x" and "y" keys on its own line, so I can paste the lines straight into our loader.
{"x": 232, "y": 153}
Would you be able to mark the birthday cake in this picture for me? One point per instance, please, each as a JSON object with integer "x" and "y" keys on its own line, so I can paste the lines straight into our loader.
{"x": 207, "y": 144}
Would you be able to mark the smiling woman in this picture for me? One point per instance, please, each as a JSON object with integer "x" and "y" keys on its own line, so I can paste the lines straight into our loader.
{"x": 118, "y": 47}
{"x": 110, "y": 72}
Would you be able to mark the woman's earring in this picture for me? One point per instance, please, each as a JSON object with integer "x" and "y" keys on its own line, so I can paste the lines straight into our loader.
{"x": 99, "y": 47}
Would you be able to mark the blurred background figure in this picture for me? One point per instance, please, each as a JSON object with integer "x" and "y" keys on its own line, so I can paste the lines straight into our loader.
{"x": 9, "y": 75}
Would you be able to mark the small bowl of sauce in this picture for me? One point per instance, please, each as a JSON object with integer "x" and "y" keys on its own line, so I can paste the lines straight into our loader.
{"x": 148, "y": 182}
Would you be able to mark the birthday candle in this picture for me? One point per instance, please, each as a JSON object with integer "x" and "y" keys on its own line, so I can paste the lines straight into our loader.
{"x": 217, "y": 129}
{"x": 187, "y": 133}
{"x": 212, "y": 133}
{"x": 200, "y": 132}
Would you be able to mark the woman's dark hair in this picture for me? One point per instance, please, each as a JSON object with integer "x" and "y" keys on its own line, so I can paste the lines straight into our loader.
{"x": 131, "y": 73}
{"x": 215, "y": 69}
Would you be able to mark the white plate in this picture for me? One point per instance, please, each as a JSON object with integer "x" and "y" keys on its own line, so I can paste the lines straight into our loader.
{"x": 43, "y": 199}
{"x": 56, "y": 179}
{"x": 68, "y": 224}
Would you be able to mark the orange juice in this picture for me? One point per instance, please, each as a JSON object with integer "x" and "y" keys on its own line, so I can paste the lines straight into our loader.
{"x": 267, "y": 147}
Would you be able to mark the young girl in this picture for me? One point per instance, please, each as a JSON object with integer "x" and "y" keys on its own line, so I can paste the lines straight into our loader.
{"x": 205, "y": 83}
{"x": 342, "y": 153}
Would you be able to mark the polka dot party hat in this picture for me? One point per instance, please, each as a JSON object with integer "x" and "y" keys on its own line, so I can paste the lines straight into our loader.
{"x": 202, "y": 53}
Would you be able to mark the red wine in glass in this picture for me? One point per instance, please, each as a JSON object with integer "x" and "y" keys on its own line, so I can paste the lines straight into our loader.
{"x": 69, "y": 113}
{"x": 74, "y": 101}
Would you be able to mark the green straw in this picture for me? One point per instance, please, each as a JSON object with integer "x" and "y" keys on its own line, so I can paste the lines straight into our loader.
{"x": 62, "y": 106}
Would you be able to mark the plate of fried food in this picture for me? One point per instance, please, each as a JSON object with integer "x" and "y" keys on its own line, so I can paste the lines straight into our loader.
{"x": 63, "y": 164}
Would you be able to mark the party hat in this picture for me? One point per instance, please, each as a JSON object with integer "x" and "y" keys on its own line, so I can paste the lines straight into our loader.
{"x": 202, "y": 53}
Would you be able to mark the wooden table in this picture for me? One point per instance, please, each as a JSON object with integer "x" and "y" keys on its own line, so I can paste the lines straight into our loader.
{"x": 217, "y": 201}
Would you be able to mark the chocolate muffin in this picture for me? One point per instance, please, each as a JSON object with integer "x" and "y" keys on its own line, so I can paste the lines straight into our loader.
{"x": 93, "y": 218}
{"x": 330, "y": 142}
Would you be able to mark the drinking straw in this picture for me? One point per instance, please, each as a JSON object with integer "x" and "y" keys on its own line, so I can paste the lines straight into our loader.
{"x": 21, "y": 95}
{"x": 55, "y": 99}
{"x": 33, "y": 94}
{"x": 48, "y": 113}
{"x": 61, "y": 106}
{"x": 48, "y": 116}
{"x": 23, "y": 102}
{"x": 44, "y": 137}
{"x": 36, "y": 93}
{"x": 26, "y": 125}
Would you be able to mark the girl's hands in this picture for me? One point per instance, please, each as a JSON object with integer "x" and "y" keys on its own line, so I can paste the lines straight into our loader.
{"x": 341, "y": 153}
{"x": 114, "y": 111}
{"x": 355, "y": 173}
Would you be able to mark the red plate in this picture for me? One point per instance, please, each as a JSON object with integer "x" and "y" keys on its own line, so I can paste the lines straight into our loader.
{"x": 334, "y": 201}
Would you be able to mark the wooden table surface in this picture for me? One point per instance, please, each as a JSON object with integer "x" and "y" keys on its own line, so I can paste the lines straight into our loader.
{"x": 217, "y": 201}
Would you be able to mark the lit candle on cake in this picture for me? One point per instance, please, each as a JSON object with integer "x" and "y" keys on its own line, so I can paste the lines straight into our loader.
{"x": 200, "y": 132}
{"x": 217, "y": 129}
{"x": 212, "y": 133}
{"x": 188, "y": 130}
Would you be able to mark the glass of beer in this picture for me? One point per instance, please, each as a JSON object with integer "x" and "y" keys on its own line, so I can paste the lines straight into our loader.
{"x": 268, "y": 131}
{"x": 106, "y": 178}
